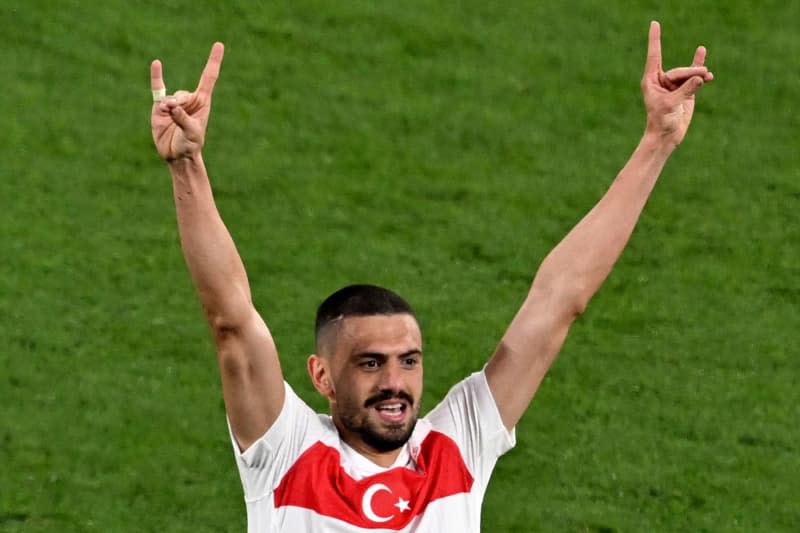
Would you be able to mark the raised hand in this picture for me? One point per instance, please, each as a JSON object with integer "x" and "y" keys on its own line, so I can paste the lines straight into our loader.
{"x": 179, "y": 121}
{"x": 669, "y": 96}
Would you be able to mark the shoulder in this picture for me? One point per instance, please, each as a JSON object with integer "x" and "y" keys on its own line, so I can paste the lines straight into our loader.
{"x": 471, "y": 393}
{"x": 469, "y": 415}
{"x": 297, "y": 425}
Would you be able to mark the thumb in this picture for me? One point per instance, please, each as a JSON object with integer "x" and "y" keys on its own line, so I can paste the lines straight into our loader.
{"x": 691, "y": 86}
{"x": 184, "y": 121}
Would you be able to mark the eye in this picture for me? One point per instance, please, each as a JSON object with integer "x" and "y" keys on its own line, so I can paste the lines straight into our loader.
{"x": 369, "y": 364}
{"x": 410, "y": 361}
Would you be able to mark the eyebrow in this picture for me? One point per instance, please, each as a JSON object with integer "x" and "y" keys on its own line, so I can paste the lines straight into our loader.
{"x": 381, "y": 355}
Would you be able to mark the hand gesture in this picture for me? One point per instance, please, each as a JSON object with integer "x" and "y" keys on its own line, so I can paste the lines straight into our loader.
{"x": 179, "y": 121}
{"x": 669, "y": 96}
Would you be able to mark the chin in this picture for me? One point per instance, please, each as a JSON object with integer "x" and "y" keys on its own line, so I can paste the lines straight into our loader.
{"x": 389, "y": 439}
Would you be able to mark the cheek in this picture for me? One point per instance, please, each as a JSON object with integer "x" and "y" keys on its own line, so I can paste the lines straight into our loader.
{"x": 416, "y": 379}
{"x": 348, "y": 391}
{"x": 418, "y": 389}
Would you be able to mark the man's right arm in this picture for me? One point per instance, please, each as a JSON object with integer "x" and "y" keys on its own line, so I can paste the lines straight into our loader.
{"x": 252, "y": 381}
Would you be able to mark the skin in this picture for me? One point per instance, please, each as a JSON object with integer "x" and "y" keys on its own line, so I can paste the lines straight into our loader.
{"x": 569, "y": 276}
{"x": 576, "y": 268}
{"x": 252, "y": 381}
{"x": 374, "y": 361}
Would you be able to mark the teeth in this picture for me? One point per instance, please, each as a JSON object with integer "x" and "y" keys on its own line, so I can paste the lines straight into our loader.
{"x": 393, "y": 407}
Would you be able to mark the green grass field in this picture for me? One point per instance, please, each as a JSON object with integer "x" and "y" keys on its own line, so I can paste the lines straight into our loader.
{"x": 438, "y": 148}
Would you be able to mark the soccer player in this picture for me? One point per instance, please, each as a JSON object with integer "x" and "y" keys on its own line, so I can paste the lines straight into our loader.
{"x": 373, "y": 464}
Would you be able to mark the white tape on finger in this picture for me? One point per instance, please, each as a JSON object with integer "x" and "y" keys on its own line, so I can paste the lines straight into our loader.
{"x": 159, "y": 94}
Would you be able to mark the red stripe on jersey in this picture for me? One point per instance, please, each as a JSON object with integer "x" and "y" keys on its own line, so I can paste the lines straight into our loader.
{"x": 389, "y": 500}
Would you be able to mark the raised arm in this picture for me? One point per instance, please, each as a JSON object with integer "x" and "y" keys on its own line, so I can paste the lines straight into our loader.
{"x": 252, "y": 382}
{"x": 574, "y": 270}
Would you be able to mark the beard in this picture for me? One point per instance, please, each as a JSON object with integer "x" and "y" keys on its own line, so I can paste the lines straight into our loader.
{"x": 380, "y": 437}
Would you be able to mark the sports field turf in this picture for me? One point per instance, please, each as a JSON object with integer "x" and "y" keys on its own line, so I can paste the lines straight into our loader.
{"x": 438, "y": 148}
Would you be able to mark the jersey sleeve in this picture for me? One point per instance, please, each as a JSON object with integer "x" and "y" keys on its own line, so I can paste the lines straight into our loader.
{"x": 264, "y": 463}
{"x": 469, "y": 416}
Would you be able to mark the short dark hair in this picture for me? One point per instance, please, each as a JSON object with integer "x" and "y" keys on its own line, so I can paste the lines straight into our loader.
{"x": 359, "y": 300}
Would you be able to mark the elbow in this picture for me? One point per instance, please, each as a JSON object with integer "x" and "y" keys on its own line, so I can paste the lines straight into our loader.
{"x": 233, "y": 366}
{"x": 229, "y": 312}
{"x": 228, "y": 318}
{"x": 572, "y": 309}
{"x": 227, "y": 324}
{"x": 566, "y": 296}
{"x": 221, "y": 323}
{"x": 577, "y": 298}
{"x": 568, "y": 286}
{"x": 577, "y": 302}
{"x": 231, "y": 357}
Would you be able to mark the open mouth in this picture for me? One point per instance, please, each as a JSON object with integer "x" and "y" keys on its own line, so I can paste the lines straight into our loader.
{"x": 391, "y": 411}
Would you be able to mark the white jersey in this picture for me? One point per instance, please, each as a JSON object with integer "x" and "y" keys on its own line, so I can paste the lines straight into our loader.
{"x": 301, "y": 477}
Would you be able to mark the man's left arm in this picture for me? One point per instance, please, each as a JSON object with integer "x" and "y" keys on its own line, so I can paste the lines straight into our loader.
{"x": 576, "y": 268}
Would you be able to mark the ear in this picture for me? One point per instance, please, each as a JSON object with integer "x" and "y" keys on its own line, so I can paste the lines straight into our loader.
{"x": 319, "y": 371}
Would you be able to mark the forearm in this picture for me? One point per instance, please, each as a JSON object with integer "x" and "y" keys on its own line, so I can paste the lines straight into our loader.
{"x": 567, "y": 279}
{"x": 214, "y": 264}
{"x": 578, "y": 265}
{"x": 576, "y": 268}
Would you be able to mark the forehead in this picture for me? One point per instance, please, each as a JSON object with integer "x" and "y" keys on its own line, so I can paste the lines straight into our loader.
{"x": 379, "y": 334}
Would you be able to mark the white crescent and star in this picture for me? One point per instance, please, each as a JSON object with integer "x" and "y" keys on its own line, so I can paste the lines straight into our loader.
{"x": 366, "y": 503}
{"x": 402, "y": 505}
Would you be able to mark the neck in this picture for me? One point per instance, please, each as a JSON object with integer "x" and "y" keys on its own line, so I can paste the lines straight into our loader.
{"x": 382, "y": 459}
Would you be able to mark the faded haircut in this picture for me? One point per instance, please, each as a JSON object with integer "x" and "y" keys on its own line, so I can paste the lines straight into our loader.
{"x": 358, "y": 300}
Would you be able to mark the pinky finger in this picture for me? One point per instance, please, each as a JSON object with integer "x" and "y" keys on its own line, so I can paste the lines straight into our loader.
{"x": 157, "y": 86}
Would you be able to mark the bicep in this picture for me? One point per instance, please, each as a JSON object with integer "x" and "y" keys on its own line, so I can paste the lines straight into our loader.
{"x": 524, "y": 355}
{"x": 252, "y": 381}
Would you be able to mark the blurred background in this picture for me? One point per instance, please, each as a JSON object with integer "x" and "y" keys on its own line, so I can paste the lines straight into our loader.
{"x": 438, "y": 148}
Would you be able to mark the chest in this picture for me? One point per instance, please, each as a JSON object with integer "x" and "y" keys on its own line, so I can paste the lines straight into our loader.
{"x": 387, "y": 500}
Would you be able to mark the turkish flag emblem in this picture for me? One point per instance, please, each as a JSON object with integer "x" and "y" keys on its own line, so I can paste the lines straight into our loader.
{"x": 380, "y": 503}
{"x": 389, "y": 500}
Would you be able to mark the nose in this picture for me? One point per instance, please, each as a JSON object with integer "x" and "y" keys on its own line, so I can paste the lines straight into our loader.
{"x": 391, "y": 377}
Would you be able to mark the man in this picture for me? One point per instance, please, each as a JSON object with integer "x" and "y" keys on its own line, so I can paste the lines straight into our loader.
{"x": 372, "y": 464}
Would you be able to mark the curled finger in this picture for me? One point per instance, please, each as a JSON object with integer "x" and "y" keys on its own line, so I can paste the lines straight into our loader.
{"x": 679, "y": 75}
{"x": 181, "y": 98}
{"x": 666, "y": 82}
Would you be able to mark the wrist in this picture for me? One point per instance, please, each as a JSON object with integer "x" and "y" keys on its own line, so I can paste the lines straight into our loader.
{"x": 657, "y": 143}
{"x": 186, "y": 164}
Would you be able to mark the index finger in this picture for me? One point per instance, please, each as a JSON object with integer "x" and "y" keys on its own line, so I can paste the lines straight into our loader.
{"x": 211, "y": 70}
{"x": 653, "y": 49}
